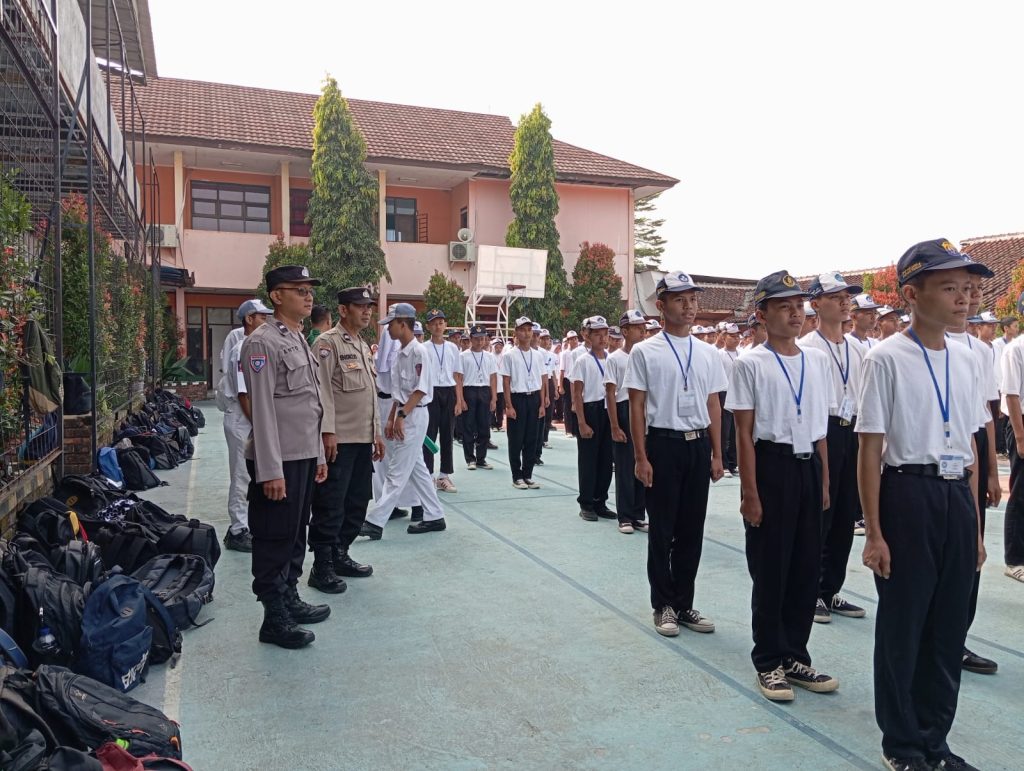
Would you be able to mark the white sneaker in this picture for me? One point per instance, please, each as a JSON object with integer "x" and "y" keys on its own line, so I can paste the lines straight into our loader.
{"x": 531, "y": 484}
{"x": 471, "y": 465}
{"x": 445, "y": 485}
{"x": 625, "y": 528}
{"x": 520, "y": 484}
{"x": 1016, "y": 572}
{"x": 665, "y": 621}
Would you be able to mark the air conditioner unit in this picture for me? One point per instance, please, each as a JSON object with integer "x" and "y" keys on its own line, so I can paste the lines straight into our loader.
{"x": 163, "y": 235}
{"x": 461, "y": 251}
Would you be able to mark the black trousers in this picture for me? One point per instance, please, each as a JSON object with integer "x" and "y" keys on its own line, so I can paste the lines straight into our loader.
{"x": 630, "y": 493}
{"x": 440, "y": 428}
{"x": 677, "y": 504}
{"x": 728, "y": 436}
{"x": 981, "y": 483}
{"x": 784, "y": 555}
{"x": 595, "y": 459}
{"x": 570, "y": 416}
{"x": 498, "y": 416}
{"x": 837, "y": 521}
{"x": 545, "y": 424}
{"x": 476, "y": 426}
{"x": 339, "y": 504}
{"x": 522, "y": 434}
{"x": 278, "y": 528}
{"x": 930, "y": 526}
{"x": 1013, "y": 522}
{"x": 557, "y": 405}
{"x": 1002, "y": 423}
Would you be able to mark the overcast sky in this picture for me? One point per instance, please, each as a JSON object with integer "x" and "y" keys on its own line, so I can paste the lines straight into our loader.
{"x": 806, "y": 135}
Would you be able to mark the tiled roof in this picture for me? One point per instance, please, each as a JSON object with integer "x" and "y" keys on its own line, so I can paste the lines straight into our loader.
{"x": 1001, "y": 254}
{"x": 240, "y": 116}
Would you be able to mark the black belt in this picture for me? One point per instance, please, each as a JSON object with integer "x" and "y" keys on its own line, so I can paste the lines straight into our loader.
{"x": 777, "y": 448}
{"x": 477, "y": 386}
{"x": 835, "y": 420}
{"x": 926, "y": 470}
{"x": 382, "y": 395}
{"x": 669, "y": 433}
{"x": 524, "y": 393}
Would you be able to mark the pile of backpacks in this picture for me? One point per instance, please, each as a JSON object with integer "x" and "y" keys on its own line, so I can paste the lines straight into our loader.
{"x": 156, "y": 437}
{"x": 96, "y": 585}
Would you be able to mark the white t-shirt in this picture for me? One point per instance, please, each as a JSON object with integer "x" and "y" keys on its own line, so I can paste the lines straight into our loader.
{"x": 845, "y": 359}
{"x": 867, "y": 344}
{"x": 525, "y": 369}
{"x": 550, "y": 362}
{"x": 653, "y": 368}
{"x": 233, "y": 382}
{"x": 477, "y": 368}
{"x": 759, "y": 384}
{"x": 234, "y": 337}
{"x": 728, "y": 361}
{"x": 591, "y": 373}
{"x": 1012, "y": 366}
{"x": 445, "y": 361}
{"x": 998, "y": 346}
{"x": 899, "y": 400}
{"x": 983, "y": 354}
{"x": 412, "y": 371}
{"x": 615, "y": 373}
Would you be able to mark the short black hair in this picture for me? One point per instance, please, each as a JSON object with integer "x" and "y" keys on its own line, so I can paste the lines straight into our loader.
{"x": 411, "y": 323}
{"x": 318, "y": 314}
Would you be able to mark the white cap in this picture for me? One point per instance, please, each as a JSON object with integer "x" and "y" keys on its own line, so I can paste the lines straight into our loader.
{"x": 595, "y": 322}
{"x": 885, "y": 310}
{"x": 570, "y": 334}
{"x": 731, "y": 329}
{"x": 417, "y": 328}
{"x": 863, "y": 302}
{"x": 653, "y": 324}
{"x": 987, "y": 317}
{"x": 809, "y": 309}
{"x": 632, "y": 316}
{"x": 250, "y": 307}
{"x": 523, "y": 320}
{"x": 905, "y": 318}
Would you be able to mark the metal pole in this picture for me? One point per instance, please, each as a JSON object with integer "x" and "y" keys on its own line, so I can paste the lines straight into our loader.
{"x": 55, "y": 232}
{"x": 90, "y": 192}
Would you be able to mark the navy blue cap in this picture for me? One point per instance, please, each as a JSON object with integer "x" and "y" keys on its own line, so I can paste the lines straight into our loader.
{"x": 295, "y": 274}
{"x": 355, "y": 295}
{"x": 435, "y": 313}
{"x": 778, "y": 284}
{"x": 939, "y": 254}
{"x": 752, "y": 320}
{"x": 478, "y": 330}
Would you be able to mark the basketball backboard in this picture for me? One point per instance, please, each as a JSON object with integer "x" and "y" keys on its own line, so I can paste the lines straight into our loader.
{"x": 499, "y": 266}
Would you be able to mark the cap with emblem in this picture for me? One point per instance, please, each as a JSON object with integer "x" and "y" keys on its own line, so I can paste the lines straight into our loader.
{"x": 809, "y": 309}
{"x": 632, "y": 316}
{"x": 523, "y": 321}
{"x": 905, "y": 319}
{"x": 731, "y": 329}
{"x": 294, "y": 274}
{"x": 830, "y": 283}
{"x": 250, "y": 307}
{"x": 595, "y": 322}
{"x": 863, "y": 302}
{"x": 985, "y": 317}
{"x": 677, "y": 281}
{"x": 653, "y": 325}
{"x": 355, "y": 295}
{"x": 615, "y": 333}
{"x": 478, "y": 330}
{"x": 545, "y": 333}
{"x": 435, "y": 313}
{"x": 697, "y": 329}
{"x": 570, "y": 334}
{"x": 454, "y": 332}
{"x": 778, "y": 284}
{"x": 536, "y": 327}
{"x": 752, "y": 320}
{"x": 885, "y": 310}
{"x": 939, "y": 254}
{"x": 398, "y": 311}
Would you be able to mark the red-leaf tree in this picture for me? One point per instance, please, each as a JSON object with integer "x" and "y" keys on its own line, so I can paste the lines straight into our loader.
{"x": 1007, "y": 304}
{"x": 596, "y": 287}
{"x": 884, "y": 287}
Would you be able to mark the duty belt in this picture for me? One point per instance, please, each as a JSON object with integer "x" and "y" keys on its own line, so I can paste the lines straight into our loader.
{"x": 686, "y": 436}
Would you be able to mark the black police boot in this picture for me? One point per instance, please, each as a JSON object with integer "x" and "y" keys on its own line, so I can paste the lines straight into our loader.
{"x": 302, "y": 612}
{"x": 417, "y": 514}
{"x": 344, "y": 565}
{"x": 322, "y": 576}
{"x": 397, "y": 513}
{"x": 279, "y": 628}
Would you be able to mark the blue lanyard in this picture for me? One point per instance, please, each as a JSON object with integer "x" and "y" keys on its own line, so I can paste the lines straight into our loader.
{"x": 689, "y": 359}
{"x": 598, "y": 362}
{"x": 529, "y": 366}
{"x": 843, "y": 373}
{"x": 798, "y": 396}
{"x": 943, "y": 405}
{"x": 440, "y": 356}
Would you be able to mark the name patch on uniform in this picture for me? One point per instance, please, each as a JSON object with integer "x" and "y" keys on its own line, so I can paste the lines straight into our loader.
{"x": 347, "y": 356}
{"x": 257, "y": 362}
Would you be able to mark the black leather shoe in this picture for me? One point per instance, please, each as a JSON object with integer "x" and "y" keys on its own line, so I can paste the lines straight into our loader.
{"x": 491, "y": 445}
{"x": 972, "y": 662}
{"x": 279, "y": 627}
{"x": 426, "y": 527}
{"x": 238, "y": 541}
{"x": 588, "y": 516}
{"x": 371, "y": 531}
{"x": 607, "y": 514}
{"x": 538, "y": 462}
{"x": 324, "y": 577}
{"x": 344, "y": 565}
{"x": 398, "y": 513}
{"x": 302, "y": 612}
{"x": 417, "y": 514}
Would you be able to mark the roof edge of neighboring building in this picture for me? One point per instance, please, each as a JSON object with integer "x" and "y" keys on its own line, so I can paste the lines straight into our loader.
{"x": 994, "y": 237}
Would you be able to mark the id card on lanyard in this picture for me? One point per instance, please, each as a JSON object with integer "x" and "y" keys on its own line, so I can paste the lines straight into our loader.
{"x": 686, "y": 400}
{"x": 799, "y": 428}
{"x": 951, "y": 465}
{"x": 846, "y": 407}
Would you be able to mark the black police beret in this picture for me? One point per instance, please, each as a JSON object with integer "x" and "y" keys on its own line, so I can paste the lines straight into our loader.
{"x": 295, "y": 274}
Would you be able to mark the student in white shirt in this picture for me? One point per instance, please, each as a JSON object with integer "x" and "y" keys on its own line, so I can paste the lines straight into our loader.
{"x": 594, "y": 439}
{"x": 780, "y": 396}
{"x": 630, "y": 494}
{"x": 525, "y": 385}
{"x": 918, "y": 414}
{"x": 864, "y": 312}
{"x": 564, "y": 390}
{"x": 480, "y": 392}
{"x": 729, "y": 352}
{"x": 543, "y": 345}
{"x": 1008, "y": 324}
{"x": 830, "y": 296}
{"x": 1013, "y": 522}
{"x": 888, "y": 322}
{"x": 675, "y": 419}
{"x": 447, "y": 401}
{"x": 498, "y": 414}
{"x": 810, "y": 319}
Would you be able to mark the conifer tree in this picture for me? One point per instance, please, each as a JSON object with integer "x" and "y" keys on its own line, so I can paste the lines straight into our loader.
{"x": 648, "y": 245}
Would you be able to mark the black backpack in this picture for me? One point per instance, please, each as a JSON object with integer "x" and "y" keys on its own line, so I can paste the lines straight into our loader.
{"x": 81, "y": 561}
{"x": 125, "y": 545}
{"x": 62, "y": 602}
{"x": 47, "y": 521}
{"x": 96, "y": 713}
{"x": 159, "y": 450}
{"x": 187, "y": 419}
{"x": 182, "y": 582}
{"x": 85, "y": 494}
{"x": 192, "y": 537}
{"x": 199, "y": 417}
{"x": 137, "y": 474}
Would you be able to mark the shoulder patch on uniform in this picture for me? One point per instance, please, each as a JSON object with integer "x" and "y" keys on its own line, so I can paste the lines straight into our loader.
{"x": 419, "y": 370}
{"x": 324, "y": 351}
{"x": 257, "y": 362}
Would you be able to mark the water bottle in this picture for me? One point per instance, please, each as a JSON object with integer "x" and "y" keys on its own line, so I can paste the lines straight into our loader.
{"x": 46, "y": 644}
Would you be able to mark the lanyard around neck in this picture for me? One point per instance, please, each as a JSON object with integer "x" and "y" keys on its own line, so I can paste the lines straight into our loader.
{"x": 965, "y": 334}
{"x": 598, "y": 362}
{"x": 943, "y": 404}
{"x": 689, "y": 359}
{"x": 440, "y": 356}
{"x": 798, "y": 396}
{"x": 527, "y": 364}
{"x": 843, "y": 373}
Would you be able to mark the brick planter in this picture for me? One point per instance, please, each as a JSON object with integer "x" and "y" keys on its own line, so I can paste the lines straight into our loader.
{"x": 194, "y": 392}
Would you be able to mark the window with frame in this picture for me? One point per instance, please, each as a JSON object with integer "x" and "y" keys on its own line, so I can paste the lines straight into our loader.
{"x": 464, "y": 217}
{"x": 299, "y": 205}
{"x": 400, "y": 219}
{"x": 231, "y": 208}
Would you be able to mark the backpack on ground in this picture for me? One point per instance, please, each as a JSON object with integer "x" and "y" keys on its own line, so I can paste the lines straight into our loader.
{"x": 136, "y": 472}
{"x": 86, "y": 494}
{"x": 97, "y": 714}
{"x": 108, "y": 464}
{"x": 159, "y": 450}
{"x": 48, "y": 520}
{"x": 192, "y": 537}
{"x": 61, "y": 601}
{"x": 125, "y": 545}
{"x": 182, "y": 582}
{"x": 199, "y": 417}
{"x": 81, "y": 561}
{"x": 9, "y": 591}
{"x": 187, "y": 419}
{"x": 115, "y": 758}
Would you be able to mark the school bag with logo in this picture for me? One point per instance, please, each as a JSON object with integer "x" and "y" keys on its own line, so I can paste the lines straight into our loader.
{"x": 182, "y": 582}
{"x": 192, "y": 537}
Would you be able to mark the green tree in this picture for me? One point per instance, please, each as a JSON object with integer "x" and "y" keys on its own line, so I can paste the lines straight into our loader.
{"x": 445, "y": 293}
{"x": 344, "y": 245}
{"x": 596, "y": 287}
{"x": 535, "y": 204}
{"x": 648, "y": 245}
{"x": 281, "y": 253}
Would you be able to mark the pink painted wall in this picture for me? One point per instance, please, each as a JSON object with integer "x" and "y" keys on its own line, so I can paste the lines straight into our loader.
{"x": 412, "y": 265}
{"x": 232, "y": 261}
{"x": 436, "y": 204}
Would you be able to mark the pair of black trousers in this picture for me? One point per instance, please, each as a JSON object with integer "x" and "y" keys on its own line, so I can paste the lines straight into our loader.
{"x": 278, "y": 528}
{"x": 1013, "y": 521}
{"x": 339, "y": 504}
{"x": 630, "y": 493}
{"x": 784, "y": 555}
{"x": 476, "y": 425}
{"x": 498, "y": 416}
{"x": 440, "y": 428}
{"x": 570, "y": 416}
{"x": 844, "y": 498}
{"x": 545, "y": 424}
{"x": 677, "y": 504}
{"x": 728, "y": 435}
{"x": 522, "y": 434}
{"x": 930, "y": 526}
{"x": 981, "y": 440}
{"x": 594, "y": 459}
{"x": 1002, "y": 423}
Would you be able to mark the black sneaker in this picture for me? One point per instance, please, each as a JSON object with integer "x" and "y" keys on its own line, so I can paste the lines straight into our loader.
{"x": 588, "y": 516}
{"x": 238, "y": 541}
{"x": 484, "y": 465}
{"x": 953, "y": 763}
{"x": 905, "y": 764}
{"x": 810, "y": 678}
{"x": 972, "y": 662}
{"x": 398, "y": 513}
{"x": 371, "y": 531}
{"x": 843, "y": 608}
{"x": 491, "y": 445}
{"x": 694, "y": 621}
{"x": 607, "y": 514}
{"x": 822, "y": 615}
{"x": 538, "y": 462}
{"x": 774, "y": 686}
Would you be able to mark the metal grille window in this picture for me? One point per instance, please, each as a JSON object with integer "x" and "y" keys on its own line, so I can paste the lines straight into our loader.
{"x": 230, "y": 208}
{"x": 401, "y": 219}
{"x": 299, "y": 209}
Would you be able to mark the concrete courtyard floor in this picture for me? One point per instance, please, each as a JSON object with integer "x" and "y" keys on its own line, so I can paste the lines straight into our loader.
{"x": 521, "y": 638}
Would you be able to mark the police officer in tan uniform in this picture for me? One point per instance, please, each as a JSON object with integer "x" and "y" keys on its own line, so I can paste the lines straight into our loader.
{"x": 352, "y": 441}
{"x": 284, "y": 456}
